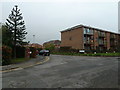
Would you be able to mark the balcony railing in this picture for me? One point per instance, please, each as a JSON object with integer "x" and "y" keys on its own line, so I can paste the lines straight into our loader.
{"x": 88, "y": 33}
{"x": 101, "y": 35}
{"x": 113, "y": 43}
{"x": 102, "y": 43}
{"x": 88, "y": 42}
{"x": 112, "y": 37}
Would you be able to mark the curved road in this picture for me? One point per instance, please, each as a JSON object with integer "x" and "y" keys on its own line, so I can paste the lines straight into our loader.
{"x": 66, "y": 72}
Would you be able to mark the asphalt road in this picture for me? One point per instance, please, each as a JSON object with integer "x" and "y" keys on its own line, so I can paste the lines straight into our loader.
{"x": 66, "y": 72}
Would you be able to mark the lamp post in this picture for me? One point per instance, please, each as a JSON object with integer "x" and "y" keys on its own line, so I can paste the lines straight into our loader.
{"x": 33, "y": 38}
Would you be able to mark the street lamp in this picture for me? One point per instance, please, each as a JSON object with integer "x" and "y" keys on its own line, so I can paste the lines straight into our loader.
{"x": 33, "y": 38}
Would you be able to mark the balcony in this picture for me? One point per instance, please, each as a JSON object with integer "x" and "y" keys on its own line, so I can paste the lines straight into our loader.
{"x": 105, "y": 44}
{"x": 101, "y": 35}
{"x": 112, "y": 37}
{"x": 102, "y": 43}
{"x": 88, "y": 31}
{"x": 88, "y": 42}
{"x": 113, "y": 43}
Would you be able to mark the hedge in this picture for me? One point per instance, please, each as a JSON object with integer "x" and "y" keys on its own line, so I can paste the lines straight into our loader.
{"x": 6, "y": 55}
{"x": 20, "y": 52}
{"x": 33, "y": 52}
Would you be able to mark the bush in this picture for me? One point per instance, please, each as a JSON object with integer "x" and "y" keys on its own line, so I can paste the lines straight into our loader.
{"x": 88, "y": 54}
{"x": 65, "y": 49}
{"x": 34, "y": 52}
{"x": 20, "y": 52}
{"x": 6, "y": 55}
{"x": 50, "y": 47}
{"x": 39, "y": 49}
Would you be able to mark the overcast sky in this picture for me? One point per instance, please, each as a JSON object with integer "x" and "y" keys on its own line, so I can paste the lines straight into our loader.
{"x": 45, "y": 20}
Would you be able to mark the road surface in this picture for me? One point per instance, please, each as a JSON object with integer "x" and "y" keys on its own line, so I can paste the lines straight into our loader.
{"x": 66, "y": 72}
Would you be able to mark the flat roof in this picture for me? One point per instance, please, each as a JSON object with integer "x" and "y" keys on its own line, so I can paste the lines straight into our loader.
{"x": 79, "y": 26}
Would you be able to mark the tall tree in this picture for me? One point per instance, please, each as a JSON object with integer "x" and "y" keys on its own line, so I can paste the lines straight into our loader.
{"x": 16, "y": 25}
{"x": 6, "y": 36}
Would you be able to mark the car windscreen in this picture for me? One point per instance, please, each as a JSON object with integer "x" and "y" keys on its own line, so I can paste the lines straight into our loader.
{"x": 42, "y": 51}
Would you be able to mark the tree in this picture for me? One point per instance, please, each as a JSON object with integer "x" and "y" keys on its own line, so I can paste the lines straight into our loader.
{"x": 0, "y": 34}
{"x": 6, "y": 36}
{"x": 16, "y": 26}
{"x": 50, "y": 46}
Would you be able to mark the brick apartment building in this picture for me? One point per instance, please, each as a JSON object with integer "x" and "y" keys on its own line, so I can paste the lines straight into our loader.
{"x": 89, "y": 39}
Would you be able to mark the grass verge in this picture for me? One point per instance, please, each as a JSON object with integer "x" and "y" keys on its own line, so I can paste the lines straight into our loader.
{"x": 19, "y": 60}
{"x": 97, "y": 54}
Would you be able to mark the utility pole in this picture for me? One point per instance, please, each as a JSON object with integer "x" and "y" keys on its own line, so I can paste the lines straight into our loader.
{"x": 33, "y": 38}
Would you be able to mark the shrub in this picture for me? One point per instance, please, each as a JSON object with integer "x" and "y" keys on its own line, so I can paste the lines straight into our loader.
{"x": 50, "y": 47}
{"x": 6, "y": 55}
{"x": 27, "y": 52}
{"x": 20, "y": 52}
{"x": 39, "y": 49}
{"x": 88, "y": 54}
{"x": 65, "y": 49}
{"x": 34, "y": 53}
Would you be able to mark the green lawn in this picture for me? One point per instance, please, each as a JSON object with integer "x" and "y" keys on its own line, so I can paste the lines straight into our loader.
{"x": 78, "y": 54}
{"x": 18, "y": 60}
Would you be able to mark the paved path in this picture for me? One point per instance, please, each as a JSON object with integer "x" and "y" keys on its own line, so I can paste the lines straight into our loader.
{"x": 24, "y": 64}
{"x": 66, "y": 72}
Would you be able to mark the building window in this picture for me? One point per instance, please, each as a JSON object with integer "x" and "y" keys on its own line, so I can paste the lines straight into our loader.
{"x": 98, "y": 32}
{"x": 92, "y": 37}
{"x": 91, "y": 31}
{"x": 88, "y": 30}
{"x": 85, "y": 30}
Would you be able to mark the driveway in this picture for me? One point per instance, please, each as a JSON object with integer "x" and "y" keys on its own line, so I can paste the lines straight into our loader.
{"x": 66, "y": 72}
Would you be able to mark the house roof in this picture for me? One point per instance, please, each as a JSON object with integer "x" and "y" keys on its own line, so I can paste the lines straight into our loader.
{"x": 80, "y": 26}
{"x": 34, "y": 45}
{"x": 53, "y": 42}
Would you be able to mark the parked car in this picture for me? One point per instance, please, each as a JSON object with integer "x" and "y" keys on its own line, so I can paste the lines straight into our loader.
{"x": 44, "y": 52}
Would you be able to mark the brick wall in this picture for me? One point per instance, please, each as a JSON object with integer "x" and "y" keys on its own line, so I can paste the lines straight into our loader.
{"x": 72, "y": 38}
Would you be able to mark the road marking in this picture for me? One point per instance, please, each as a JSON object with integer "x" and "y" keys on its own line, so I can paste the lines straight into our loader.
{"x": 18, "y": 68}
{"x": 100, "y": 64}
{"x": 63, "y": 63}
